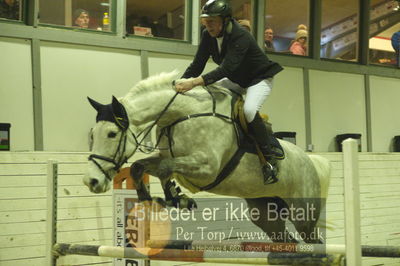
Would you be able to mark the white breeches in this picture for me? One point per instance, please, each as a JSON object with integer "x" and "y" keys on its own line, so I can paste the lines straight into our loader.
{"x": 256, "y": 95}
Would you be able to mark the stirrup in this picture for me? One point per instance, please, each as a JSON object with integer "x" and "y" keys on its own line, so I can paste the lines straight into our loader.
{"x": 278, "y": 154}
{"x": 269, "y": 173}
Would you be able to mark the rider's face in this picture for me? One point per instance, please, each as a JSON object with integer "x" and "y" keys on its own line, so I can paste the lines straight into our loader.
{"x": 213, "y": 25}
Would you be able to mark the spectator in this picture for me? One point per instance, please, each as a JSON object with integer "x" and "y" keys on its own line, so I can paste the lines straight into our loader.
{"x": 299, "y": 45}
{"x": 396, "y": 46}
{"x": 245, "y": 23}
{"x": 9, "y": 9}
{"x": 81, "y": 18}
{"x": 268, "y": 40}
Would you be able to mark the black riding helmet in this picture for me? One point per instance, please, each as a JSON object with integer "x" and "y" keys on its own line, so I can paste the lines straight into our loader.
{"x": 215, "y": 8}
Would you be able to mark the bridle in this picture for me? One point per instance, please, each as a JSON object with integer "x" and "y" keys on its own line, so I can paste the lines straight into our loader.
{"x": 118, "y": 161}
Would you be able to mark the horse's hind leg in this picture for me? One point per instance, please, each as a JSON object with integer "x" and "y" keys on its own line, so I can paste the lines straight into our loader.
{"x": 307, "y": 227}
{"x": 274, "y": 228}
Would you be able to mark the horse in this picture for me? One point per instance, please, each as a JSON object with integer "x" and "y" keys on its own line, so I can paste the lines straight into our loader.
{"x": 197, "y": 129}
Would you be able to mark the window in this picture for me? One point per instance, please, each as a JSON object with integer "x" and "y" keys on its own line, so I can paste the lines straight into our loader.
{"x": 384, "y": 24}
{"x": 80, "y": 14}
{"x": 11, "y": 9}
{"x": 286, "y": 26}
{"x": 156, "y": 18}
{"x": 339, "y": 33}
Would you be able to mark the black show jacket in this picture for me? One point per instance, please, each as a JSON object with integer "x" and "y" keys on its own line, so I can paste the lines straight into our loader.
{"x": 241, "y": 60}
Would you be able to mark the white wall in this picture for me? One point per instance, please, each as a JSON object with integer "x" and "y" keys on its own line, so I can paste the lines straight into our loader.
{"x": 337, "y": 107}
{"x": 16, "y": 106}
{"x": 385, "y": 110}
{"x": 285, "y": 105}
{"x": 70, "y": 73}
{"x": 166, "y": 62}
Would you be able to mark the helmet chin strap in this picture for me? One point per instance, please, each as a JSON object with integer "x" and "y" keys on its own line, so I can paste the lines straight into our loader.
{"x": 224, "y": 26}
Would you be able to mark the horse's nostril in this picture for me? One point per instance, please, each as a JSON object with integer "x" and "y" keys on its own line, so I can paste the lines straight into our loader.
{"x": 93, "y": 182}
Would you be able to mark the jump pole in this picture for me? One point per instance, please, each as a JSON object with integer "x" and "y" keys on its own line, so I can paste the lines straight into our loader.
{"x": 240, "y": 257}
{"x": 352, "y": 202}
{"x": 367, "y": 251}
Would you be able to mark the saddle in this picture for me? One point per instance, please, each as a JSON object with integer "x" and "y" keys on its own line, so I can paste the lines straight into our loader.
{"x": 247, "y": 142}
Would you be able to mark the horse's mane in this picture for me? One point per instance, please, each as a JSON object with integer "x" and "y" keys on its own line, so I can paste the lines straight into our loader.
{"x": 155, "y": 82}
{"x": 164, "y": 80}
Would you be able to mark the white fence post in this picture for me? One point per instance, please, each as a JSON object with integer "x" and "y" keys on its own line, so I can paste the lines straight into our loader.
{"x": 352, "y": 202}
{"x": 51, "y": 219}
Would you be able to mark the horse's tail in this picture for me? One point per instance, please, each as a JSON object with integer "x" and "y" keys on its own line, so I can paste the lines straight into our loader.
{"x": 327, "y": 224}
{"x": 323, "y": 168}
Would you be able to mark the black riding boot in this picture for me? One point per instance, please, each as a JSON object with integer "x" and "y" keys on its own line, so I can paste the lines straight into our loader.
{"x": 263, "y": 138}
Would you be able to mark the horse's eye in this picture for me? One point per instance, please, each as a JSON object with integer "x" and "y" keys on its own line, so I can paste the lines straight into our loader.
{"x": 112, "y": 134}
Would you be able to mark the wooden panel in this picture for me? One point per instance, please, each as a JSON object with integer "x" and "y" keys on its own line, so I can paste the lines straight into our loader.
{"x": 26, "y": 252}
{"x": 22, "y": 193}
{"x": 89, "y": 201}
{"x": 83, "y": 213}
{"x": 85, "y": 236}
{"x": 22, "y": 228}
{"x": 22, "y": 216}
{"x": 22, "y": 240}
{"x": 23, "y": 169}
{"x": 23, "y": 181}
{"x": 23, "y": 204}
{"x": 31, "y": 262}
{"x": 83, "y": 260}
{"x": 31, "y": 157}
{"x": 84, "y": 224}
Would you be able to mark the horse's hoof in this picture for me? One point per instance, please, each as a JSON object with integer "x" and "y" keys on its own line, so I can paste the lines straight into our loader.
{"x": 182, "y": 202}
{"x": 159, "y": 201}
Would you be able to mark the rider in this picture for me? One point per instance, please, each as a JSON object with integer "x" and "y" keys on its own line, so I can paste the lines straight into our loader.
{"x": 241, "y": 63}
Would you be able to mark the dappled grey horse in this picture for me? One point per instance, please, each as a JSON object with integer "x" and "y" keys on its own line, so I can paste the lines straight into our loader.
{"x": 200, "y": 138}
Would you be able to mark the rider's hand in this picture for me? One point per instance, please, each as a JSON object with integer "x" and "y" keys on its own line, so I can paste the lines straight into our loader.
{"x": 184, "y": 85}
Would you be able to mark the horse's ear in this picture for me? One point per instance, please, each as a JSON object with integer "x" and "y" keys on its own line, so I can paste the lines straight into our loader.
{"x": 120, "y": 115}
{"x": 95, "y": 104}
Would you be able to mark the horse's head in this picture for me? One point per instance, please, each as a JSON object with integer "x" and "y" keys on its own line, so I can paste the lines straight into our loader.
{"x": 112, "y": 145}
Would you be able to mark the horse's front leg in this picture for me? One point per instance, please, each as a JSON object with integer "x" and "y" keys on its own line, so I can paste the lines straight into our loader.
{"x": 163, "y": 168}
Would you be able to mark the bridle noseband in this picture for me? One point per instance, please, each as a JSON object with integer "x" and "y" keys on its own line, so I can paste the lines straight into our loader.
{"x": 117, "y": 163}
